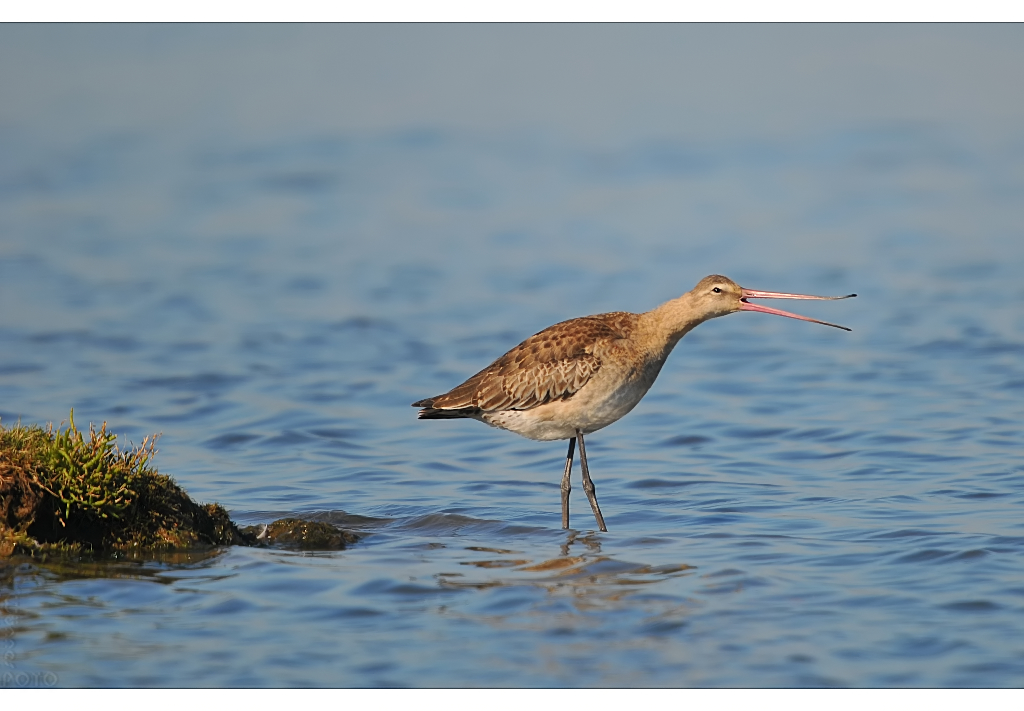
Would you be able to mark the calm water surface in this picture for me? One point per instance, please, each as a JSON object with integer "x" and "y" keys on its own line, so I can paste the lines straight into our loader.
{"x": 791, "y": 505}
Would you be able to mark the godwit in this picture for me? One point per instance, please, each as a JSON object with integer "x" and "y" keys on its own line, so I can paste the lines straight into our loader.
{"x": 580, "y": 375}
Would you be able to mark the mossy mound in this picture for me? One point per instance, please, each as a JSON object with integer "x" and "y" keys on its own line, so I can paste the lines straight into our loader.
{"x": 302, "y": 535}
{"x": 62, "y": 490}
{"x": 65, "y": 492}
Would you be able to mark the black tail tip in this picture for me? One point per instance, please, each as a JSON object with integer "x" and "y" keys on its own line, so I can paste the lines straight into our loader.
{"x": 430, "y": 413}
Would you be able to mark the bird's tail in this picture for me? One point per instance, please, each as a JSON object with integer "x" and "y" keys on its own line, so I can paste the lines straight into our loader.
{"x": 429, "y": 412}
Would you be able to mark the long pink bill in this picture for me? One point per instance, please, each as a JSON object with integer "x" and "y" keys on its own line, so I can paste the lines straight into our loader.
{"x": 752, "y": 294}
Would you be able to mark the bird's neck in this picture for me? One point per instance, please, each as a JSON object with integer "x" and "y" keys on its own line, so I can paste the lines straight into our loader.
{"x": 665, "y": 325}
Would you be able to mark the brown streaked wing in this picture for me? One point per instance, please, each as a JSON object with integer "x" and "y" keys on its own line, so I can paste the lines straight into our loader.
{"x": 551, "y": 365}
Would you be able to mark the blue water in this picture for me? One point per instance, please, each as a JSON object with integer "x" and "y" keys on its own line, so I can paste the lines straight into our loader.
{"x": 791, "y": 505}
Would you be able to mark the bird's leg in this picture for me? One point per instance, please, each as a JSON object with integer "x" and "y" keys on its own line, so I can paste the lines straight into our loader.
{"x": 588, "y": 484}
{"x": 566, "y": 486}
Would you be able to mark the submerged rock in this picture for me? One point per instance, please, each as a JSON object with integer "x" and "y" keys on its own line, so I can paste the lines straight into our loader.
{"x": 301, "y": 535}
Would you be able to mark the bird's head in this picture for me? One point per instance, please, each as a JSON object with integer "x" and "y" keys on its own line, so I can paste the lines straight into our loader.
{"x": 717, "y": 295}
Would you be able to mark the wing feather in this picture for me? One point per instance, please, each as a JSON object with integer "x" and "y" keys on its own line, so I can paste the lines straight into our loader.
{"x": 551, "y": 365}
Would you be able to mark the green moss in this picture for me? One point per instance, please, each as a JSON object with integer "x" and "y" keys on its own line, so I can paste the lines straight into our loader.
{"x": 66, "y": 491}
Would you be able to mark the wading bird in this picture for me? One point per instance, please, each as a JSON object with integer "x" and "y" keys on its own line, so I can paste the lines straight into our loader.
{"x": 580, "y": 375}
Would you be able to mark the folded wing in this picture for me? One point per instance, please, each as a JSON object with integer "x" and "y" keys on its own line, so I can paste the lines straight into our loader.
{"x": 551, "y": 365}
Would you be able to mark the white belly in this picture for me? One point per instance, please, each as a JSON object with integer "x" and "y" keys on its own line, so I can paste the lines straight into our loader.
{"x": 598, "y": 404}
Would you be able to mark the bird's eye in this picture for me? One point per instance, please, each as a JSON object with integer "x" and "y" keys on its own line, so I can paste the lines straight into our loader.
{"x": 717, "y": 290}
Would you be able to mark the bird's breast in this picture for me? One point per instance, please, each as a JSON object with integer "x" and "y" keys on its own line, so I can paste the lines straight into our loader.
{"x": 613, "y": 397}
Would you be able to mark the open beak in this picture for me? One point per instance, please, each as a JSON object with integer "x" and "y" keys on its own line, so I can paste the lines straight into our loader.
{"x": 751, "y": 294}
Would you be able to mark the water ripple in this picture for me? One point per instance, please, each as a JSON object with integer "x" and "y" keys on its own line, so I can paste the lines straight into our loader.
{"x": 790, "y": 505}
